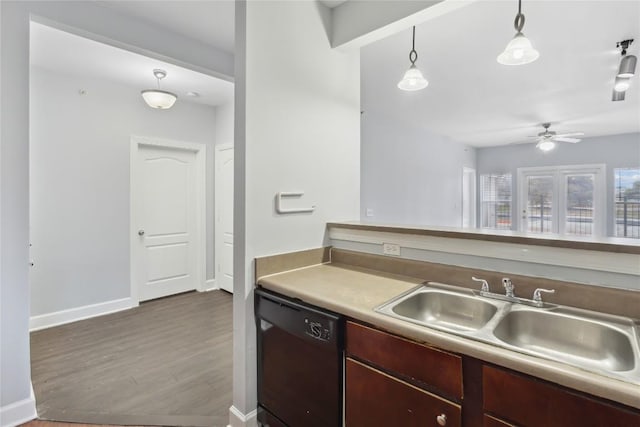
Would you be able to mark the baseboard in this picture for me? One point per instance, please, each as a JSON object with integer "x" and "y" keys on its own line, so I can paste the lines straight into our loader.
{"x": 19, "y": 412}
{"x": 238, "y": 419}
{"x": 48, "y": 320}
{"x": 210, "y": 285}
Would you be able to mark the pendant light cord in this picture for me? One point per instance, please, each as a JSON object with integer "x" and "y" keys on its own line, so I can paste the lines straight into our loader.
{"x": 413, "y": 55}
{"x": 519, "y": 21}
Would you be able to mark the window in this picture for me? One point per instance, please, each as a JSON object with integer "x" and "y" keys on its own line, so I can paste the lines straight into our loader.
{"x": 627, "y": 203}
{"x": 567, "y": 200}
{"x": 495, "y": 201}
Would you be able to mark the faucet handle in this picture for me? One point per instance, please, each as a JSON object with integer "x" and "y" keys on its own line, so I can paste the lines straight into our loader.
{"x": 537, "y": 297}
{"x": 508, "y": 286}
{"x": 485, "y": 284}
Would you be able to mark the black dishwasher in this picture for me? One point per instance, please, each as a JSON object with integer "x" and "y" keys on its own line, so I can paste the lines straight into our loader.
{"x": 299, "y": 363}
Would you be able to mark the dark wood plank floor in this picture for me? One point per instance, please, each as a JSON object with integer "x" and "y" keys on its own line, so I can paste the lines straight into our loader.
{"x": 167, "y": 362}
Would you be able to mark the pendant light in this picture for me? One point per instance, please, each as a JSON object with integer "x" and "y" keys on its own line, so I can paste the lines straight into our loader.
{"x": 413, "y": 78}
{"x": 156, "y": 98}
{"x": 519, "y": 51}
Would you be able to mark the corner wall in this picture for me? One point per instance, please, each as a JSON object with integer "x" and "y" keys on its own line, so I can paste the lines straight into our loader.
{"x": 410, "y": 175}
{"x": 297, "y": 129}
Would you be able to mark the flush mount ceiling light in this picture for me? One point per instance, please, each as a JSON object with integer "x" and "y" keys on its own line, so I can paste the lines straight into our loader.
{"x": 156, "y": 98}
{"x": 519, "y": 51}
{"x": 413, "y": 78}
{"x": 628, "y": 62}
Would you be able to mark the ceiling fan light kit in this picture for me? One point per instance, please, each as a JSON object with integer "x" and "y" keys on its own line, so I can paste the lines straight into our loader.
{"x": 519, "y": 50}
{"x": 546, "y": 146}
{"x": 156, "y": 98}
{"x": 548, "y": 139}
{"x": 413, "y": 79}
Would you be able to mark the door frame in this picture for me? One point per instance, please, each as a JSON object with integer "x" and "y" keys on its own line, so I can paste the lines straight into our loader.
{"x": 472, "y": 202}
{"x": 199, "y": 239}
{"x": 218, "y": 237}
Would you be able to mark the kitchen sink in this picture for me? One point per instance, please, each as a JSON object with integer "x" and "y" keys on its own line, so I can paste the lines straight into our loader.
{"x": 446, "y": 310}
{"x": 443, "y": 307}
{"x": 597, "y": 342}
{"x": 576, "y": 340}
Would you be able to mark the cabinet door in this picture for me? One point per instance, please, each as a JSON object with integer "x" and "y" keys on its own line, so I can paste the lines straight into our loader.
{"x": 529, "y": 402}
{"x": 373, "y": 398}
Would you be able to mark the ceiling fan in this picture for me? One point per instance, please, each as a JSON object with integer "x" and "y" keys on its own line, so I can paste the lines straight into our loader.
{"x": 548, "y": 138}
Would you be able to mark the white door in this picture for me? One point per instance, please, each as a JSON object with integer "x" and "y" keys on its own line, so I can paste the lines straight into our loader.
{"x": 165, "y": 220}
{"x": 224, "y": 217}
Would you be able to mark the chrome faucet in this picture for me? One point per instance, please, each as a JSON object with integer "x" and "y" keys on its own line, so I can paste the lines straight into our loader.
{"x": 508, "y": 287}
{"x": 485, "y": 284}
{"x": 537, "y": 297}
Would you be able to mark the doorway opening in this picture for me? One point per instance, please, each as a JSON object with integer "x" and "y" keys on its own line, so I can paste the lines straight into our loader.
{"x": 95, "y": 201}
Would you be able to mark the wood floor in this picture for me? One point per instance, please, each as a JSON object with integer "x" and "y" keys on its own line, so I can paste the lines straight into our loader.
{"x": 167, "y": 362}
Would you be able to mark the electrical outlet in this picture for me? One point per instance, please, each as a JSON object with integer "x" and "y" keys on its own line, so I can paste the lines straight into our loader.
{"x": 369, "y": 212}
{"x": 391, "y": 249}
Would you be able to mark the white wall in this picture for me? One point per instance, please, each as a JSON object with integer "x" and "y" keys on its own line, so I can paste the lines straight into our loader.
{"x": 79, "y": 149}
{"x": 224, "y": 123}
{"x": 297, "y": 128}
{"x": 410, "y": 175}
{"x": 16, "y": 404}
{"x": 615, "y": 151}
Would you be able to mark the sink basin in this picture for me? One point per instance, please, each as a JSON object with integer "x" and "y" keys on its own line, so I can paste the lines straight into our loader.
{"x": 442, "y": 309}
{"x": 596, "y": 342}
{"x": 576, "y": 340}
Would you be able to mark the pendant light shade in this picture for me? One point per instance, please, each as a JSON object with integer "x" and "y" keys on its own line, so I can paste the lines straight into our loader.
{"x": 627, "y": 66}
{"x": 519, "y": 50}
{"x": 413, "y": 79}
{"x": 156, "y": 98}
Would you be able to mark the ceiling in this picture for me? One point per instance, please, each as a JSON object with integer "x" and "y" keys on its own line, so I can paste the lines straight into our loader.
{"x": 66, "y": 53}
{"x": 210, "y": 22}
{"x": 473, "y": 99}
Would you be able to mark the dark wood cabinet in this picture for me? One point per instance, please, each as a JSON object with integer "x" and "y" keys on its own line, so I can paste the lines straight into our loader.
{"x": 390, "y": 380}
{"x": 374, "y": 398}
{"x": 526, "y": 401}
{"x": 393, "y": 381}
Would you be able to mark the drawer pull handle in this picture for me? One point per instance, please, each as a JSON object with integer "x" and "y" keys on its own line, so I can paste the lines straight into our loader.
{"x": 442, "y": 420}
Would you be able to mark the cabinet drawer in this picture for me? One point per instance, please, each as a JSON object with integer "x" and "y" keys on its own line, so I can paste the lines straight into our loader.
{"x": 529, "y": 402}
{"x": 373, "y": 398}
{"x": 434, "y": 368}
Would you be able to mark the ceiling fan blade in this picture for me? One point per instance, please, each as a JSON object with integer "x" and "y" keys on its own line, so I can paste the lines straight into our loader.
{"x": 571, "y": 134}
{"x": 564, "y": 139}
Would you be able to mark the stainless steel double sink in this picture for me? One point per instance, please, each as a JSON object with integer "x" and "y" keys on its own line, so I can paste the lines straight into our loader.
{"x": 596, "y": 342}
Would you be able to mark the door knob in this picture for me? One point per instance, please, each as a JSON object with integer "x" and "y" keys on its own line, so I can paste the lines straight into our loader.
{"x": 441, "y": 420}
{"x": 140, "y": 232}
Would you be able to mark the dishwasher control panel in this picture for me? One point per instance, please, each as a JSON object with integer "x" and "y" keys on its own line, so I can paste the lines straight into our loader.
{"x": 317, "y": 329}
